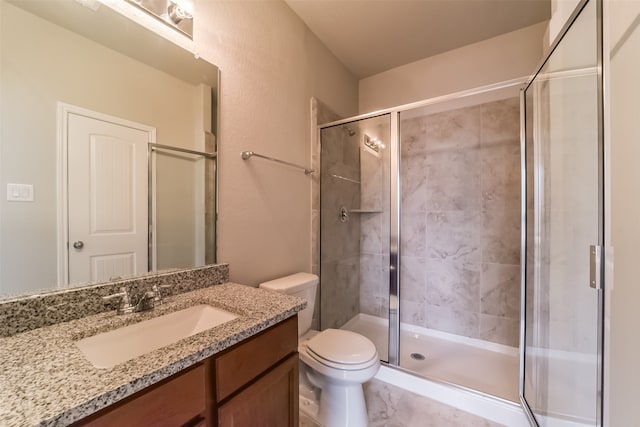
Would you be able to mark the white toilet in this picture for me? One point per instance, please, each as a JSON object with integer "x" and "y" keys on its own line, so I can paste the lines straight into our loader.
{"x": 335, "y": 361}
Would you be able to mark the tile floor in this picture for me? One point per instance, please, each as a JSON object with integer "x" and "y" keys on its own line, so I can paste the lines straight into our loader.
{"x": 391, "y": 406}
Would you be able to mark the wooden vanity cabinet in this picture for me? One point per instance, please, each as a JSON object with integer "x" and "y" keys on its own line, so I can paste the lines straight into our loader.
{"x": 252, "y": 384}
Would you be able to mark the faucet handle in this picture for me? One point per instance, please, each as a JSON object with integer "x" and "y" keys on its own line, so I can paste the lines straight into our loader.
{"x": 158, "y": 298}
{"x": 122, "y": 294}
{"x": 125, "y": 302}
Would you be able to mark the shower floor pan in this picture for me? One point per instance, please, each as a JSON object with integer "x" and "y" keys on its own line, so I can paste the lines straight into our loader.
{"x": 478, "y": 365}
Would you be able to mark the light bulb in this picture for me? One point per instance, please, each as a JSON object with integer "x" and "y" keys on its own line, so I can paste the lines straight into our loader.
{"x": 179, "y": 10}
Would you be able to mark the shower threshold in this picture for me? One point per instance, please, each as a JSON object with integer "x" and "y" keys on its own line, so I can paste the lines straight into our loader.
{"x": 470, "y": 363}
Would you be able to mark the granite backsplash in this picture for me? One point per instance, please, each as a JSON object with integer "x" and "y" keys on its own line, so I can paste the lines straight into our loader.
{"x": 34, "y": 311}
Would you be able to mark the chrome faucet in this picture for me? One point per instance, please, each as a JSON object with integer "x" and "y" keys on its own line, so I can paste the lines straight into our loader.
{"x": 146, "y": 302}
{"x": 125, "y": 302}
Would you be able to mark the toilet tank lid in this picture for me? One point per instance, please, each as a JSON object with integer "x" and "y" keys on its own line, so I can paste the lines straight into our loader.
{"x": 292, "y": 283}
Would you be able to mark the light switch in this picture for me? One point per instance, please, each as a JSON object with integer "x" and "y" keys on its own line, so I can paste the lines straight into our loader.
{"x": 13, "y": 191}
{"x": 20, "y": 192}
{"x": 26, "y": 192}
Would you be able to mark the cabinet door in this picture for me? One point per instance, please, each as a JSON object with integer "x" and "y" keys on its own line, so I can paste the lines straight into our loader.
{"x": 176, "y": 402}
{"x": 271, "y": 401}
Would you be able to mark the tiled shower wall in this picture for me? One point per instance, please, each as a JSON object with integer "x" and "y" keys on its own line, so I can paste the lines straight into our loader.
{"x": 460, "y": 177}
{"x": 374, "y": 222}
{"x": 320, "y": 114}
{"x": 354, "y": 262}
{"x": 339, "y": 241}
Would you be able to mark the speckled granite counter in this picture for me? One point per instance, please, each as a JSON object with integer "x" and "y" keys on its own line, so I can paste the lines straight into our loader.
{"x": 45, "y": 380}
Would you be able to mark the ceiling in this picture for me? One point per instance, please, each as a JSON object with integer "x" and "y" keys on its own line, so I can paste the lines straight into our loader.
{"x": 371, "y": 36}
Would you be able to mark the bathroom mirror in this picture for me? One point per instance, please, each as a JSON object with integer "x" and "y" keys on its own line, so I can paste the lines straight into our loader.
{"x": 105, "y": 128}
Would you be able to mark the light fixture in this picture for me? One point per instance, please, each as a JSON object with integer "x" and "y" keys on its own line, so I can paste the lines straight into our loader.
{"x": 373, "y": 143}
{"x": 179, "y": 10}
{"x": 178, "y": 14}
{"x": 91, "y": 4}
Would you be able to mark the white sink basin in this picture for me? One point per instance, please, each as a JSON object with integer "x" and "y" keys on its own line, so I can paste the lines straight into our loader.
{"x": 110, "y": 348}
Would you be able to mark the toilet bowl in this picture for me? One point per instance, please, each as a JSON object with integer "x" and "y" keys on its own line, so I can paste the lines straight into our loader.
{"x": 333, "y": 363}
{"x": 338, "y": 363}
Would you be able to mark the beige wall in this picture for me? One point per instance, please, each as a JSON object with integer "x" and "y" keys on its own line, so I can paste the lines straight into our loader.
{"x": 271, "y": 65}
{"x": 561, "y": 10}
{"x": 501, "y": 58}
{"x": 624, "y": 296}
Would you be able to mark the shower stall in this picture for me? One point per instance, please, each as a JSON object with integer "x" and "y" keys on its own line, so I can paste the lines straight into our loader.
{"x": 420, "y": 236}
{"x": 463, "y": 234}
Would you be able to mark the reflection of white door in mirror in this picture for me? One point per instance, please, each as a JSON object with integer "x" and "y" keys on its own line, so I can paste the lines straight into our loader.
{"x": 107, "y": 196}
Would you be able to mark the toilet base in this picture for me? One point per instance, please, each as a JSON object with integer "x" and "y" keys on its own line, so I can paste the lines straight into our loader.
{"x": 331, "y": 404}
{"x": 342, "y": 406}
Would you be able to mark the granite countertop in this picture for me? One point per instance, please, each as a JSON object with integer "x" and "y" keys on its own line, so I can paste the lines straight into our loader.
{"x": 45, "y": 379}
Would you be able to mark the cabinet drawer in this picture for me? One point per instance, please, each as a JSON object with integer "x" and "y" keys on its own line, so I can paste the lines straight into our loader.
{"x": 171, "y": 403}
{"x": 243, "y": 363}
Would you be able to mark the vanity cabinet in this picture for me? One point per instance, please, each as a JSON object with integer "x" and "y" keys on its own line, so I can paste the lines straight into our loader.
{"x": 253, "y": 383}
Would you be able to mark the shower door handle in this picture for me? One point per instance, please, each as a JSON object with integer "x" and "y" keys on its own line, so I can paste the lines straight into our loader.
{"x": 595, "y": 266}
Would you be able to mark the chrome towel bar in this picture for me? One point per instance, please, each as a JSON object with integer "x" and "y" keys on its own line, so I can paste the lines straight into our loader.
{"x": 183, "y": 150}
{"x": 247, "y": 154}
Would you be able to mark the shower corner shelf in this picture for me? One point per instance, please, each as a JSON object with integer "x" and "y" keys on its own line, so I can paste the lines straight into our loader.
{"x": 365, "y": 211}
{"x": 344, "y": 212}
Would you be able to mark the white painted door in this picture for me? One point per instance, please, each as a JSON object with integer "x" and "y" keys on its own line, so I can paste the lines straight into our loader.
{"x": 107, "y": 199}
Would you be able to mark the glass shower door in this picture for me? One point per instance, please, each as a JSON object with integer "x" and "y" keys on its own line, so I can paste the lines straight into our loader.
{"x": 563, "y": 157}
{"x": 354, "y": 228}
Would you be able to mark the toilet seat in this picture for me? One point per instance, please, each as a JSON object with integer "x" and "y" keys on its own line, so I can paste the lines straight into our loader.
{"x": 340, "y": 349}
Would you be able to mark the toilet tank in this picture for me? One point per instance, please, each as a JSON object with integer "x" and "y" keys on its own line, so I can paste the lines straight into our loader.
{"x": 301, "y": 285}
